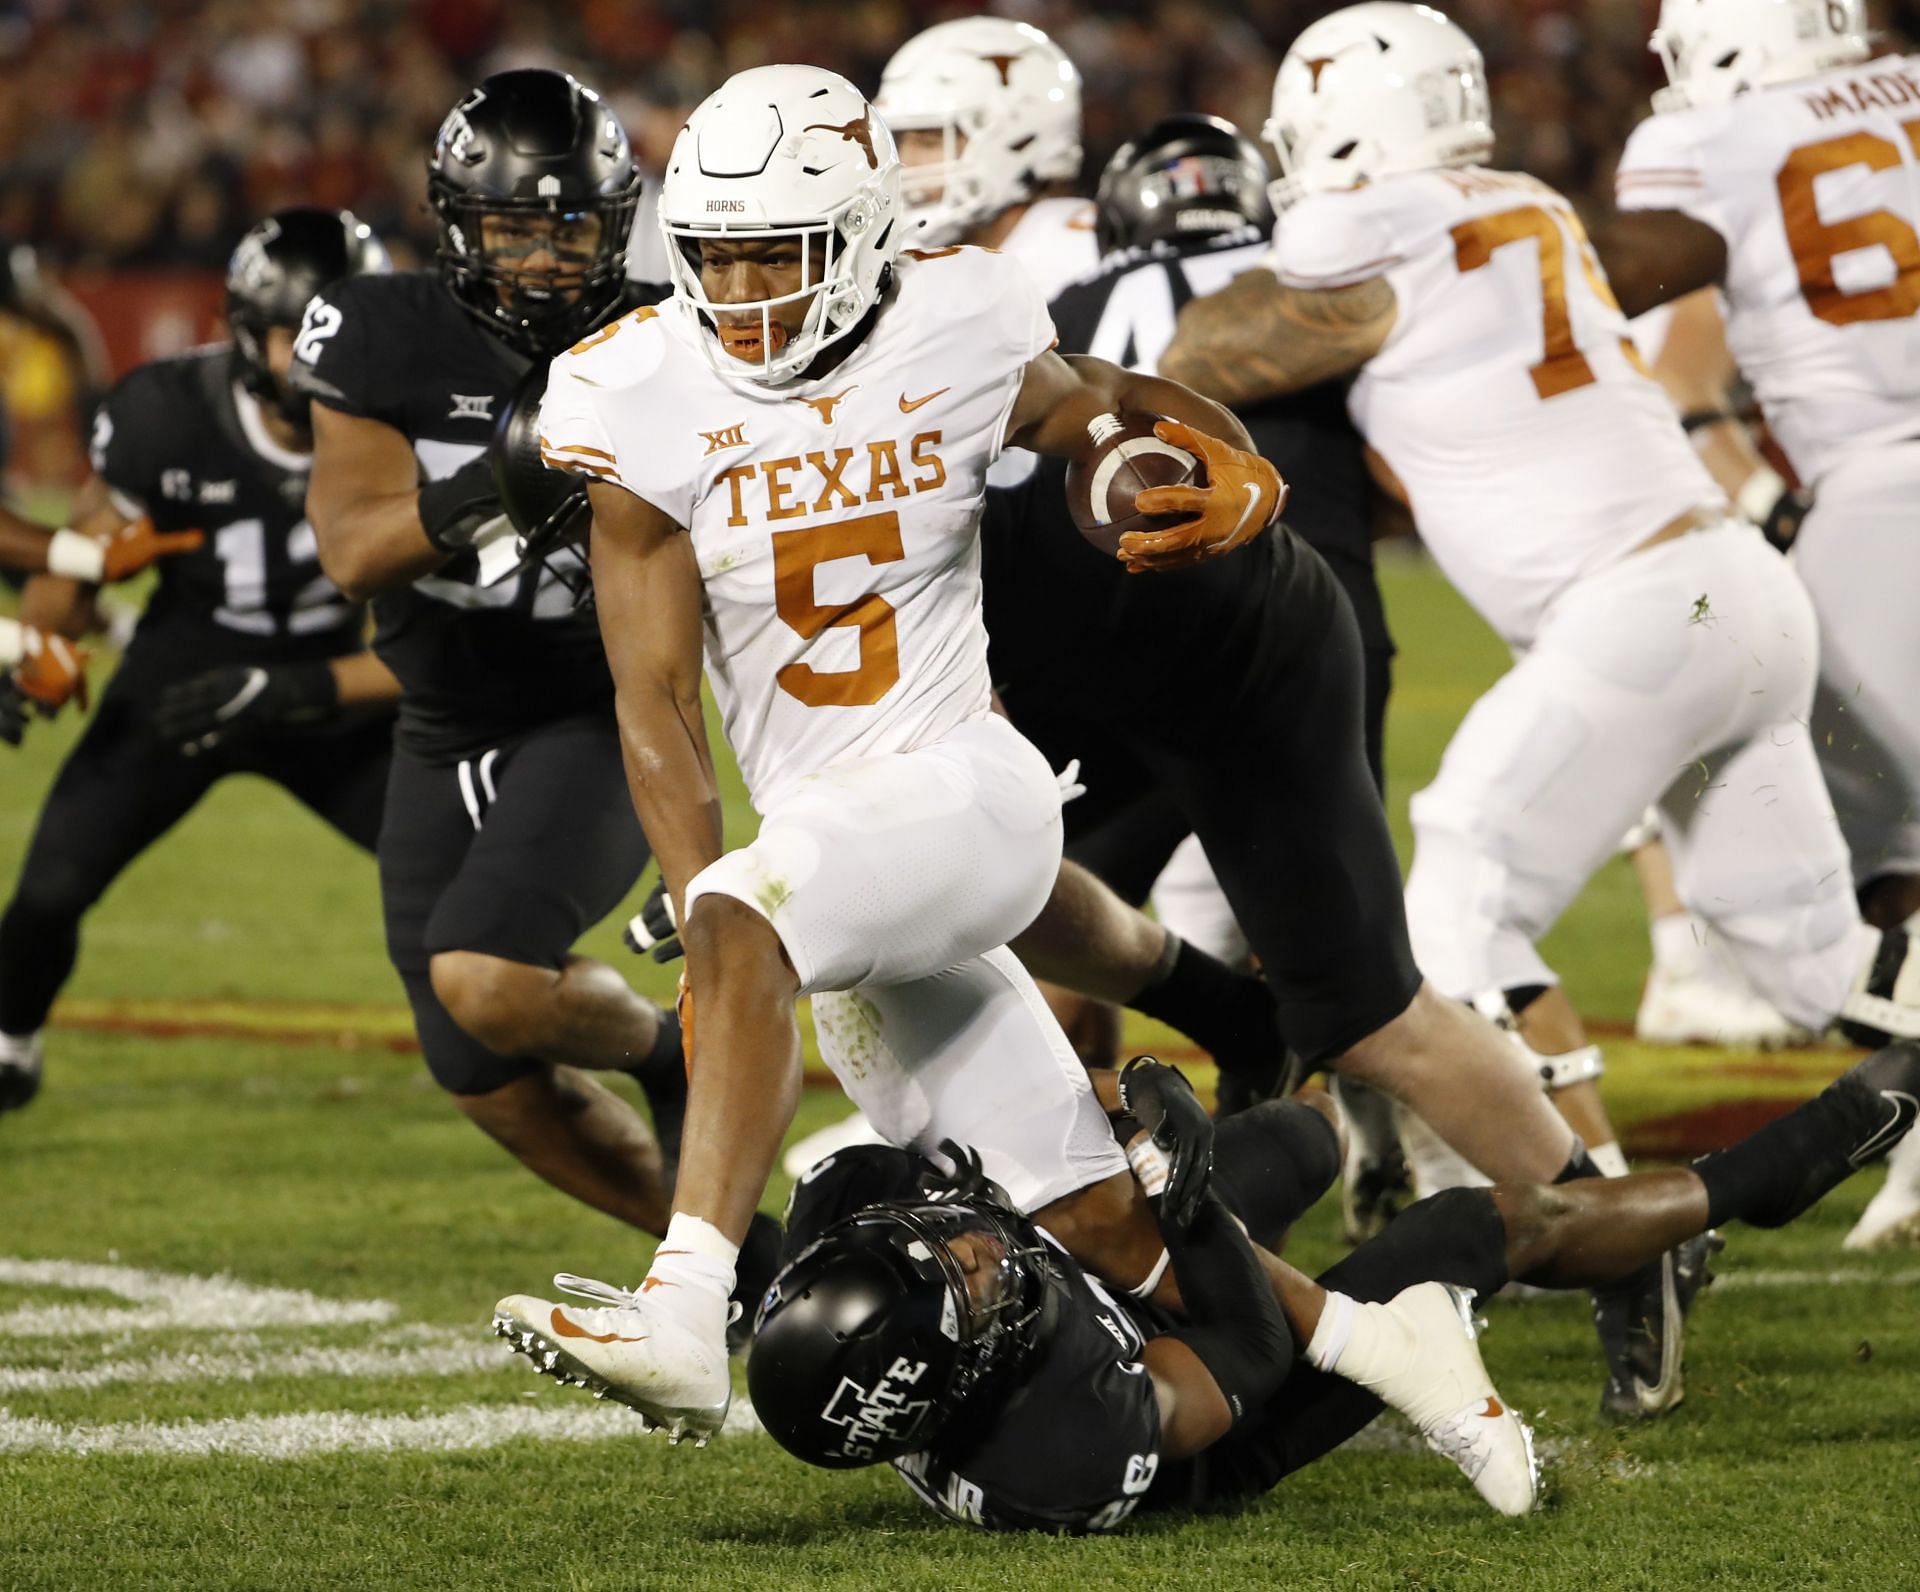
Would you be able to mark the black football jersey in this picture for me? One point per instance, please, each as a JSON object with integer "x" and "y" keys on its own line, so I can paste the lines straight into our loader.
{"x": 1076, "y": 1446}
{"x": 181, "y": 441}
{"x": 478, "y": 664}
{"x": 1065, "y": 621}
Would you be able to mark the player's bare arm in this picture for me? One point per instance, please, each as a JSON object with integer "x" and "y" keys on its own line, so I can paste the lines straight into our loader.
{"x": 1655, "y": 256}
{"x": 1062, "y": 397}
{"x": 1259, "y": 338}
{"x": 363, "y": 502}
{"x": 647, "y": 592}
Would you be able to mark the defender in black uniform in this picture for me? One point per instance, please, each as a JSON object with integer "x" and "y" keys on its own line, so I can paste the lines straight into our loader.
{"x": 929, "y": 1326}
{"x": 1278, "y": 768}
{"x": 509, "y": 829}
{"x": 247, "y": 658}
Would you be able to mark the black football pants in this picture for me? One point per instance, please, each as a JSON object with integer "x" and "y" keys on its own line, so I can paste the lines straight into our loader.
{"x": 121, "y": 789}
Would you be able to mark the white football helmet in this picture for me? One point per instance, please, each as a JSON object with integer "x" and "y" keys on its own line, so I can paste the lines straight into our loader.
{"x": 1375, "y": 89}
{"x": 1006, "y": 101}
{"x": 1715, "y": 49}
{"x": 791, "y": 151}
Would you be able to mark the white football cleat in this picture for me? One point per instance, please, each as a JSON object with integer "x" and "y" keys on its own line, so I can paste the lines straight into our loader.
{"x": 1892, "y": 1217}
{"x": 845, "y": 1134}
{"x": 21, "y": 1060}
{"x": 1695, "y": 995}
{"x": 625, "y": 1349}
{"x": 1444, "y": 1389}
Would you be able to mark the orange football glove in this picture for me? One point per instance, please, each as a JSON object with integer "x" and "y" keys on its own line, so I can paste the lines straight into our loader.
{"x": 683, "y": 1009}
{"x": 52, "y": 671}
{"x": 1243, "y": 496}
{"x": 137, "y": 544}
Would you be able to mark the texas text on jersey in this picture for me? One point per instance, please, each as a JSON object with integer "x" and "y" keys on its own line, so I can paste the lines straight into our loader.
{"x": 1572, "y": 458}
{"x": 477, "y": 663}
{"x": 834, "y": 520}
{"x": 1811, "y": 184}
{"x": 181, "y": 441}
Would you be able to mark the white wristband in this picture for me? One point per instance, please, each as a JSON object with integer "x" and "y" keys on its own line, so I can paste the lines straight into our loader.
{"x": 1759, "y": 492}
{"x": 77, "y": 557}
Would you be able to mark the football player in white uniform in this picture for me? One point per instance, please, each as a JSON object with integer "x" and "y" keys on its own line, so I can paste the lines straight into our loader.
{"x": 788, "y": 463}
{"x": 986, "y": 113}
{"x": 1667, "y": 654}
{"x": 1783, "y": 166}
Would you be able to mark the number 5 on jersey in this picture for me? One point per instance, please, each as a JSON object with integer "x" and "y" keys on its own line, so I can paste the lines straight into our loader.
{"x": 796, "y": 557}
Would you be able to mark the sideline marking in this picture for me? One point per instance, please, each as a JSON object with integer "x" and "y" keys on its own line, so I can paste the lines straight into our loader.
{"x": 285, "y": 1437}
{"x": 170, "y": 1299}
{"x": 247, "y": 1357}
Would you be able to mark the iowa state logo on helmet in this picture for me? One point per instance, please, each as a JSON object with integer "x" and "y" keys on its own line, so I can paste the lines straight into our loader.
{"x": 885, "y": 1415}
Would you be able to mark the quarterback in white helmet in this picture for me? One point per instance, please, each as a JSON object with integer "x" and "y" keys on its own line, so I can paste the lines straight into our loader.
{"x": 987, "y": 114}
{"x": 787, "y": 468}
{"x": 1782, "y": 166}
{"x": 1655, "y": 631}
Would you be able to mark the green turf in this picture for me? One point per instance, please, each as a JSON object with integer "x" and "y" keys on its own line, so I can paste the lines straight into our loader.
{"x": 342, "y": 1172}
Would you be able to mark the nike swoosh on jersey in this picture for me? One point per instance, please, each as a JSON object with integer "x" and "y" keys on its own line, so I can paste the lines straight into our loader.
{"x": 907, "y": 408}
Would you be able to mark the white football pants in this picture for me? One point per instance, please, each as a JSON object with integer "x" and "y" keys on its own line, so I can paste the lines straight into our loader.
{"x": 894, "y": 883}
{"x": 1682, "y": 676}
{"x": 1858, "y": 551}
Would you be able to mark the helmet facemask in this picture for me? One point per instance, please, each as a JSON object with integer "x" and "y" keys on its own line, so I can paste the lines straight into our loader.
{"x": 483, "y": 239}
{"x": 835, "y": 288}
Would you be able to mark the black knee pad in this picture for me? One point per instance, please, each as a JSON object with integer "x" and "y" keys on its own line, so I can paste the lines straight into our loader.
{"x": 1270, "y": 1164}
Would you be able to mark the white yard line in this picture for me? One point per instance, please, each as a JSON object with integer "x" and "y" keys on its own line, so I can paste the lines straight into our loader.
{"x": 282, "y": 1437}
{"x": 244, "y": 1357}
{"x": 168, "y": 1300}
{"x": 1843, "y": 1277}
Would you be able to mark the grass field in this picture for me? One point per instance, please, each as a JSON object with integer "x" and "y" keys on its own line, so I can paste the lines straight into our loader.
{"x": 247, "y": 1254}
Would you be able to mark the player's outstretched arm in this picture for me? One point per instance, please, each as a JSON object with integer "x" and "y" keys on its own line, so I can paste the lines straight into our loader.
{"x": 375, "y": 523}
{"x": 1652, "y": 257}
{"x": 646, "y": 588}
{"x": 1258, "y": 338}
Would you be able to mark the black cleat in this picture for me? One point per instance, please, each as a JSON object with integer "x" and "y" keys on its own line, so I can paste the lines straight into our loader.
{"x": 1642, "y": 1327}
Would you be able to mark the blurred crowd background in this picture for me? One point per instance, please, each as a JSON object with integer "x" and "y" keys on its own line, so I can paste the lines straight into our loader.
{"x": 152, "y": 133}
{"x": 138, "y": 140}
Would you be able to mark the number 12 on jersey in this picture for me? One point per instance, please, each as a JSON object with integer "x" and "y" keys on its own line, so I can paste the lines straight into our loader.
{"x": 1562, "y": 366}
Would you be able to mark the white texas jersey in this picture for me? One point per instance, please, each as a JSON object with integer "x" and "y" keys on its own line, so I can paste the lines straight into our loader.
{"x": 835, "y": 521}
{"x": 1054, "y": 240}
{"x": 1815, "y": 185}
{"x": 1507, "y": 398}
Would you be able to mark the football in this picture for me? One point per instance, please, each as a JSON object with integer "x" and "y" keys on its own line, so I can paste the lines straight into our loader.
{"x": 1125, "y": 457}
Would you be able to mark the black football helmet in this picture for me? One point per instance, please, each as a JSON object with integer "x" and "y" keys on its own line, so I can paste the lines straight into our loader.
{"x": 547, "y": 508}
{"x": 870, "y": 1343}
{"x": 280, "y": 264}
{"x": 533, "y": 143}
{"x": 1186, "y": 176}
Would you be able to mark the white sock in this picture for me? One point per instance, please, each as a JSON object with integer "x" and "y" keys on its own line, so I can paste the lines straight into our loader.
{"x": 1679, "y": 942}
{"x": 22, "y": 1048}
{"x": 692, "y": 1273}
{"x": 1610, "y": 1158}
{"x": 1365, "y": 1343}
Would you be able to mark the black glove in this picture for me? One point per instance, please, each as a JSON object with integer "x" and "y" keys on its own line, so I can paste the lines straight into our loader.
{"x": 13, "y": 712}
{"x": 1161, "y": 1100}
{"x": 653, "y": 930}
{"x": 223, "y": 704}
{"x": 967, "y": 1180}
{"x": 452, "y": 511}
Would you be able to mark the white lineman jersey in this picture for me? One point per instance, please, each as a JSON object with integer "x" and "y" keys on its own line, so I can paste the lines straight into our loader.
{"x": 1054, "y": 240}
{"x": 835, "y": 521}
{"x": 1815, "y": 186}
{"x": 1507, "y": 398}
